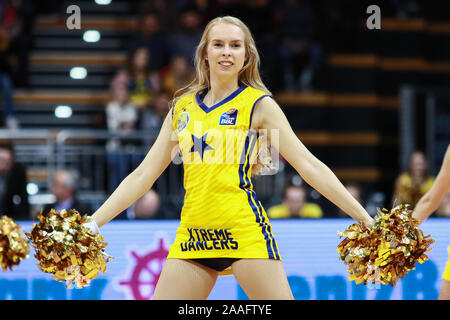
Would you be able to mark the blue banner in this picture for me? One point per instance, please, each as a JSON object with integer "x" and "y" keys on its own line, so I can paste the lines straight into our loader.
{"x": 307, "y": 247}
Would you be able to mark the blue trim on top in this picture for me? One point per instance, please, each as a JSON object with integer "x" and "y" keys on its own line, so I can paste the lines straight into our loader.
{"x": 253, "y": 108}
{"x": 264, "y": 225}
{"x": 200, "y": 103}
{"x": 244, "y": 184}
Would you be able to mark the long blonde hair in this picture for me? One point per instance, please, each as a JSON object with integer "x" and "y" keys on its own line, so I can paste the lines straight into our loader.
{"x": 248, "y": 75}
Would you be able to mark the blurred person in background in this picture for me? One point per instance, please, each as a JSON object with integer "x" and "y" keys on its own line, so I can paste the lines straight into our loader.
{"x": 9, "y": 24}
{"x": 147, "y": 207}
{"x": 178, "y": 76}
{"x": 154, "y": 39}
{"x": 412, "y": 185}
{"x": 261, "y": 18}
{"x": 355, "y": 190}
{"x": 165, "y": 10}
{"x": 301, "y": 52}
{"x": 153, "y": 118}
{"x": 295, "y": 206}
{"x": 141, "y": 86}
{"x": 140, "y": 81}
{"x": 13, "y": 186}
{"x": 121, "y": 114}
{"x": 184, "y": 42}
{"x": 64, "y": 187}
{"x": 121, "y": 118}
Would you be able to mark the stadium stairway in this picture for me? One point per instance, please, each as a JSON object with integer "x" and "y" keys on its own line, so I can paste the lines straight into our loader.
{"x": 57, "y": 50}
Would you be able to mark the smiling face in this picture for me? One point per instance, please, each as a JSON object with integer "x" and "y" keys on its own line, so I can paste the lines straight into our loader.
{"x": 225, "y": 52}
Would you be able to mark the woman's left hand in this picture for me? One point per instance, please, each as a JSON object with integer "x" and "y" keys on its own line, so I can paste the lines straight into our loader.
{"x": 369, "y": 222}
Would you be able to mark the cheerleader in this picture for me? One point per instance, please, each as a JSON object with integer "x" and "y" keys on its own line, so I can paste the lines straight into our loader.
{"x": 224, "y": 229}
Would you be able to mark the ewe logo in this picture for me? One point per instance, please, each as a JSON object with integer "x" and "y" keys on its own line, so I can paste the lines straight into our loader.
{"x": 144, "y": 275}
{"x": 229, "y": 118}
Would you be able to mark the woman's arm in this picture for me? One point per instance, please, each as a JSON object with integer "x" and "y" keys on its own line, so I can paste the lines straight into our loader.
{"x": 142, "y": 178}
{"x": 268, "y": 115}
{"x": 431, "y": 200}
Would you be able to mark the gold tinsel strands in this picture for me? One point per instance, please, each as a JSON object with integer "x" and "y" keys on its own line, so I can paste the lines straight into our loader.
{"x": 388, "y": 251}
{"x": 13, "y": 244}
{"x": 64, "y": 247}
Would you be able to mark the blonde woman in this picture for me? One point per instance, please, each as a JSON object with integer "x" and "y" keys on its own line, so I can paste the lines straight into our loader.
{"x": 223, "y": 228}
{"x": 429, "y": 203}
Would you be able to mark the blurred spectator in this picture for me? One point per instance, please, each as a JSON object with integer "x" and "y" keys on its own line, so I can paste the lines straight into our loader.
{"x": 9, "y": 24}
{"x": 412, "y": 185}
{"x": 178, "y": 76}
{"x": 153, "y": 118}
{"x": 166, "y": 11}
{"x": 444, "y": 207}
{"x": 13, "y": 186}
{"x": 121, "y": 114}
{"x": 260, "y": 18}
{"x": 154, "y": 39}
{"x": 355, "y": 190}
{"x": 147, "y": 207}
{"x": 121, "y": 118}
{"x": 185, "y": 41}
{"x": 64, "y": 188}
{"x": 295, "y": 206}
{"x": 141, "y": 83}
{"x": 202, "y": 7}
{"x": 301, "y": 52}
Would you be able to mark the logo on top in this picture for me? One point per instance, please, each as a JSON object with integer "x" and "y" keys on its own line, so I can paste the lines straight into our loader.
{"x": 229, "y": 117}
{"x": 183, "y": 120}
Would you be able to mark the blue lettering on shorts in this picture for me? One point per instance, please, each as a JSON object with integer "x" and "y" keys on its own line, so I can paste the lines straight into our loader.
{"x": 209, "y": 239}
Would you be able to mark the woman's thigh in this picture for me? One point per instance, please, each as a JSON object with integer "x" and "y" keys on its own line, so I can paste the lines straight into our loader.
{"x": 444, "y": 294}
{"x": 184, "y": 280}
{"x": 262, "y": 279}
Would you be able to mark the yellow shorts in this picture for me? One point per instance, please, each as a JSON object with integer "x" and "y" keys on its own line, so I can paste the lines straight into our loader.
{"x": 447, "y": 269}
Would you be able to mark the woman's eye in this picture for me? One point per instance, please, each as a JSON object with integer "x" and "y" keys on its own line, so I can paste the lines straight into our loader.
{"x": 217, "y": 45}
{"x": 236, "y": 45}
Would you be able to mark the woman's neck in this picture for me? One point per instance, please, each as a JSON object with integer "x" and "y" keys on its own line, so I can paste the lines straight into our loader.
{"x": 219, "y": 90}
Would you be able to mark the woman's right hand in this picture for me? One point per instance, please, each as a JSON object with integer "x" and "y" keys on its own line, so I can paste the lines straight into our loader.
{"x": 369, "y": 222}
{"x": 92, "y": 225}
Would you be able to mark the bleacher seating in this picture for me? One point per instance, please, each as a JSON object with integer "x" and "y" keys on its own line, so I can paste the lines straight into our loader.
{"x": 351, "y": 124}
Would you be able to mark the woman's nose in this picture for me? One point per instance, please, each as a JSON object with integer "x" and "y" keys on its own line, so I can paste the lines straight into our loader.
{"x": 226, "y": 50}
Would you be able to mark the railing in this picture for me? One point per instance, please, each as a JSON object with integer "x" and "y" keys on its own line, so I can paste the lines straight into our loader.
{"x": 100, "y": 166}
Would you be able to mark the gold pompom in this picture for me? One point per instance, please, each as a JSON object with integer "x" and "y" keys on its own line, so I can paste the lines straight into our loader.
{"x": 388, "y": 251}
{"x": 13, "y": 244}
{"x": 67, "y": 249}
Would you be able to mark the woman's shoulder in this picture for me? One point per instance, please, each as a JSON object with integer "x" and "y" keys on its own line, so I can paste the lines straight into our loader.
{"x": 183, "y": 101}
{"x": 257, "y": 92}
{"x": 447, "y": 157}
